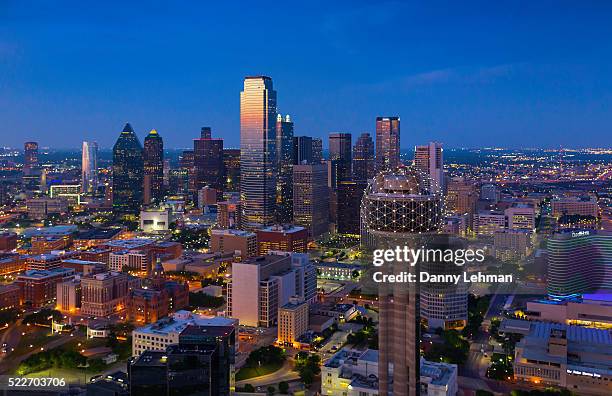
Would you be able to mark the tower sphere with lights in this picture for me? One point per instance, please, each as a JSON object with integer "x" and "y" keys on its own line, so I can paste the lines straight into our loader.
{"x": 402, "y": 201}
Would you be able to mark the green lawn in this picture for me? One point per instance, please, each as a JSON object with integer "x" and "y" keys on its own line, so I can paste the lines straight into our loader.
{"x": 72, "y": 376}
{"x": 35, "y": 336}
{"x": 251, "y": 372}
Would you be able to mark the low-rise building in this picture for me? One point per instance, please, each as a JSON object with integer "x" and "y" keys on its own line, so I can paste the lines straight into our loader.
{"x": 104, "y": 293}
{"x": 155, "y": 219}
{"x": 43, "y": 262}
{"x": 8, "y": 241}
{"x": 591, "y": 310}
{"x": 9, "y": 296}
{"x": 286, "y": 238}
{"x": 166, "y": 331}
{"x": 38, "y": 288}
{"x": 69, "y": 295}
{"x": 232, "y": 241}
{"x": 339, "y": 271}
{"x": 11, "y": 263}
{"x": 292, "y": 321}
{"x": 559, "y": 355}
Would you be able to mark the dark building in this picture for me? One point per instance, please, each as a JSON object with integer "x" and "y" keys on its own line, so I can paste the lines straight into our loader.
{"x": 317, "y": 150}
{"x": 30, "y": 155}
{"x": 148, "y": 374}
{"x": 223, "y": 340}
{"x": 208, "y": 161}
{"x": 200, "y": 364}
{"x": 153, "y": 158}
{"x": 340, "y": 150}
{"x": 302, "y": 150}
{"x": 284, "y": 169}
{"x": 128, "y": 173}
{"x": 186, "y": 163}
{"x": 114, "y": 384}
{"x": 349, "y": 194}
{"x": 363, "y": 158}
{"x": 387, "y": 143}
{"x": 231, "y": 166}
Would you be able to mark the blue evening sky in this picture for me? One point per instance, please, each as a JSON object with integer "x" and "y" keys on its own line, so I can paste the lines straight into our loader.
{"x": 469, "y": 74}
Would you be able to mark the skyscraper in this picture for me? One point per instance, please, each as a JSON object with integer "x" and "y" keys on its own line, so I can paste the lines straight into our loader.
{"x": 311, "y": 198}
{"x": 128, "y": 172}
{"x": 208, "y": 161}
{"x": 257, "y": 151}
{"x": 302, "y": 150}
{"x": 231, "y": 168}
{"x": 317, "y": 150}
{"x": 89, "y": 167}
{"x": 30, "y": 156}
{"x": 349, "y": 193}
{"x": 153, "y": 158}
{"x": 399, "y": 209}
{"x": 284, "y": 169}
{"x": 387, "y": 142}
{"x": 579, "y": 262}
{"x": 340, "y": 150}
{"x": 429, "y": 160}
{"x": 363, "y": 158}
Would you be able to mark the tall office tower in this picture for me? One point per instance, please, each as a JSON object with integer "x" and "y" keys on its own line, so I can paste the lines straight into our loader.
{"x": 429, "y": 160}
{"x": 128, "y": 170}
{"x": 444, "y": 305}
{"x": 153, "y": 158}
{"x": 89, "y": 167}
{"x": 363, "y": 158}
{"x": 399, "y": 209}
{"x": 30, "y": 155}
{"x": 284, "y": 169}
{"x": 257, "y": 152}
{"x": 166, "y": 172}
{"x": 302, "y": 150}
{"x": 461, "y": 196}
{"x": 186, "y": 164}
{"x": 579, "y": 262}
{"x": 317, "y": 150}
{"x": 231, "y": 169}
{"x": 387, "y": 143}
{"x": 340, "y": 150}
{"x": 205, "y": 133}
{"x": 349, "y": 195}
{"x": 490, "y": 192}
{"x": 208, "y": 161}
{"x": 311, "y": 198}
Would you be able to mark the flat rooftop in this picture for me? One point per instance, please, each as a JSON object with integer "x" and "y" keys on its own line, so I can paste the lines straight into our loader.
{"x": 179, "y": 322}
{"x": 98, "y": 233}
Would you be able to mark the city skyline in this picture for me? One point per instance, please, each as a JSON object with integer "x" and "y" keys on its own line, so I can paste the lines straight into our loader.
{"x": 480, "y": 87}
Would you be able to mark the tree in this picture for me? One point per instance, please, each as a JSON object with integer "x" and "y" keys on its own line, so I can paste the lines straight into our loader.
{"x": 283, "y": 387}
{"x": 248, "y": 388}
{"x": 271, "y": 390}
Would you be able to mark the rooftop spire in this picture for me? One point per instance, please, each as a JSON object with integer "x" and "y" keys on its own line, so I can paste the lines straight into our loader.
{"x": 128, "y": 128}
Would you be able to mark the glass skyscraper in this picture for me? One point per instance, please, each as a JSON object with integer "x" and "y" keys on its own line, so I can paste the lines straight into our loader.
{"x": 89, "y": 167}
{"x": 340, "y": 150}
{"x": 153, "y": 157}
{"x": 363, "y": 158}
{"x": 387, "y": 143}
{"x": 258, "y": 152}
{"x": 128, "y": 173}
{"x": 284, "y": 169}
{"x": 208, "y": 161}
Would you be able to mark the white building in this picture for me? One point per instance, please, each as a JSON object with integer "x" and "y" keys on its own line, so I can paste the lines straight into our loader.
{"x": 157, "y": 336}
{"x": 352, "y": 372}
{"x": 155, "y": 220}
{"x": 260, "y": 285}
